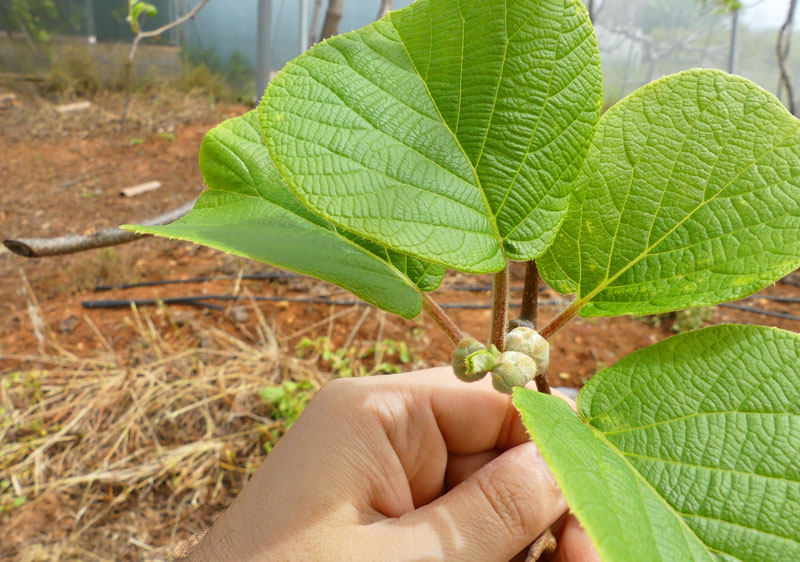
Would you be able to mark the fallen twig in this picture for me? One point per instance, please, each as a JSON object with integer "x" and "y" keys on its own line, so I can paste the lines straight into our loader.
{"x": 139, "y": 189}
{"x": 71, "y": 243}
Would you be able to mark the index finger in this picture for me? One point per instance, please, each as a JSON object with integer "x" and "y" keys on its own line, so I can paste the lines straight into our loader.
{"x": 472, "y": 417}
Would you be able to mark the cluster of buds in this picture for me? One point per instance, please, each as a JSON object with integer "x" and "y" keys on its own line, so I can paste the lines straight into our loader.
{"x": 526, "y": 354}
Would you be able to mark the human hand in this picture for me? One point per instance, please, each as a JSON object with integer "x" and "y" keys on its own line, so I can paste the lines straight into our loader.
{"x": 418, "y": 466}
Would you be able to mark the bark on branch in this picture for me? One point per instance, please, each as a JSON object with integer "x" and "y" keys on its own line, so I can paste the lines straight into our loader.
{"x": 72, "y": 243}
{"x": 332, "y": 19}
{"x": 135, "y": 45}
{"x": 386, "y": 5}
{"x": 314, "y": 28}
{"x": 782, "y": 52}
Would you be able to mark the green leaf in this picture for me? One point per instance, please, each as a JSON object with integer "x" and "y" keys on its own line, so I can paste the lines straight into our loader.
{"x": 450, "y": 129}
{"x": 686, "y": 450}
{"x": 135, "y": 9}
{"x": 690, "y": 195}
{"x": 272, "y": 394}
{"x": 249, "y": 211}
{"x": 140, "y": 8}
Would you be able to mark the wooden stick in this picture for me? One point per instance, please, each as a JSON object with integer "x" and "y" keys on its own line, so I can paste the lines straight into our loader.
{"x": 71, "y": 243}
{"x": 139, "y": 189}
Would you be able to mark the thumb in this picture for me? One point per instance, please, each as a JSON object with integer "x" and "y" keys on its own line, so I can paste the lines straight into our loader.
{"x": 492, "y": 515}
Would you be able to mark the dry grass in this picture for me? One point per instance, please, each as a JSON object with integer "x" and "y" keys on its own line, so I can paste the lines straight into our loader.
{"x": 122, "y": 456}
{"x": 163, "y": 108}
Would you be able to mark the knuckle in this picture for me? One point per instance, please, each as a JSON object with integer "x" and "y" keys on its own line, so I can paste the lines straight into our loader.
{"x": 341, "y": 388}
{"x": 345, "y": 394}
{"x": 509, "y": 501}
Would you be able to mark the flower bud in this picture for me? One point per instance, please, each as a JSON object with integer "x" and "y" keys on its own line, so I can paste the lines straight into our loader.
{"x": 512, "y": 369}
{"x": 465, "y": 365}
{"x": 531, "y": 343}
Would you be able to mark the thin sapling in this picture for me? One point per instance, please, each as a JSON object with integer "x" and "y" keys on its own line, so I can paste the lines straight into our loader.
{"x": 468, "y": 133}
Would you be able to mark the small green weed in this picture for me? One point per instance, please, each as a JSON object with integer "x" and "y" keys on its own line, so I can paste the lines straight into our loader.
{"x": 389, "y": 356}
{"x": 682, "y": 320}
{"x": 287, "y": 403}
{"x": 8, "y": 499}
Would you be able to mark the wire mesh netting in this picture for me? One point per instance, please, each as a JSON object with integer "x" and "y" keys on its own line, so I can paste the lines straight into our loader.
{"x": 640, "y": 40}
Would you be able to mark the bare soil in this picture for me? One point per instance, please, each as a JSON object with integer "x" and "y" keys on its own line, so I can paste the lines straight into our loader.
{"x": 62, "y": 174}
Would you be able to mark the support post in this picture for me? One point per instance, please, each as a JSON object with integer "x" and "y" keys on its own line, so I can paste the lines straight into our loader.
{"x": 91, "y": 32}
{"x": 303, "y": 26}
{"x": 732, "y": 48}
{"x": 263, "y": 46}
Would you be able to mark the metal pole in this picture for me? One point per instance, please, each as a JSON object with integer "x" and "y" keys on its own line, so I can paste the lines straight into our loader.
{"x": 303, "y": 25}
{"x": 263, "y": 46}
{"x": 732, "y": 48}
{"x": 91, "y": 33}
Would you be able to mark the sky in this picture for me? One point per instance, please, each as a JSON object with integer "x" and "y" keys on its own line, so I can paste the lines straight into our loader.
{"x": 229, "y": 25}
{"x": 761, "y": 14}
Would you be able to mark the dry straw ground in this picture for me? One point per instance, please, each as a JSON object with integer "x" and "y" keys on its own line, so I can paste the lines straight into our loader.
{"x": 122, "y": 456}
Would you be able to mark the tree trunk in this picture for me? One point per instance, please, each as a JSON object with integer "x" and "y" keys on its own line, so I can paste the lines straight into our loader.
{"x": 332, "y": 19}
{"x": 782, "y": 51}
{"x": 386, "y": 5}
{"x": 313, "y": 31}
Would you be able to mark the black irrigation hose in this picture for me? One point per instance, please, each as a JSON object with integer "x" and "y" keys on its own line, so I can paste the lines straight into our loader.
{"x": 478, "y": 306}
{"x": 477, "y": 288}
{"x": 776, "y": 299}
{"x": 784, "y": 315}
{"x": 197, "y": 300}
{"x": 271, "y": 275}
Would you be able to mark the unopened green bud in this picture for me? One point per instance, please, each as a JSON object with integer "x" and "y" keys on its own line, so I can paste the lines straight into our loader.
{"x": 513, "y": 369}
{"x": 466, "y": 363}
{"x": 531, "y": 343}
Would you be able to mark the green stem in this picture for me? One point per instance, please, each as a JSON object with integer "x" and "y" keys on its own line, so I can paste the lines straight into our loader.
{"x": 432, "y": 309}
{"x": 500, "y": 309}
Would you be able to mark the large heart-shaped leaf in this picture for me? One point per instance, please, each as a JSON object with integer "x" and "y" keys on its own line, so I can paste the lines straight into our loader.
{"x": 686, "y": 450}
{"x": 248, "y": 210}
{"x": 450, "y": 129}
{"x": 689, "y": 195}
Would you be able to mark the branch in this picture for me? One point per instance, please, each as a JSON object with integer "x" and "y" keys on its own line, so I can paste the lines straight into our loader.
{"x": 135, "y": 44}
{"x": 782, "y": 51}
{"x": 72, "y": 243}
{"x": 545, "y": 543}
{"x": 500, "y": 309}
{"x": 313, "y": 29}
{"x": 529, "y": 315}
{"x": 332, "y": 18}
{"x": 562, "y": 319}
{"x": 386, "y": 5}
{"x": 166, "y": 27}
{"x": 432, "y": 309}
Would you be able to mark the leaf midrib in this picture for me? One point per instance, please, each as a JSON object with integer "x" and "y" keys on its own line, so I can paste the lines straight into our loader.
{"x": 478, "y": 183}
{"x": 646, "y": 484}
{"x": 709, "y": 468}
{"x": 334, "y": 230}
{"x": 601, "y": 286}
